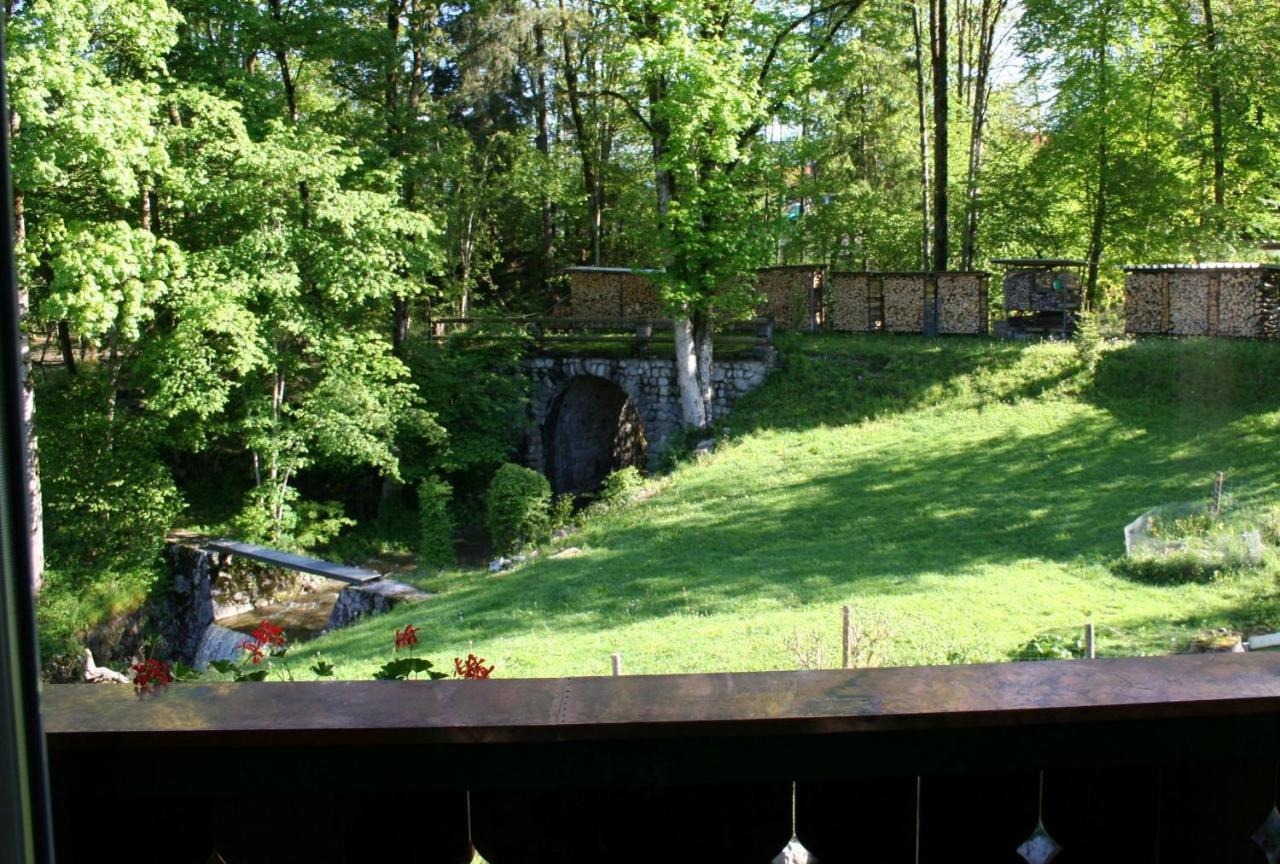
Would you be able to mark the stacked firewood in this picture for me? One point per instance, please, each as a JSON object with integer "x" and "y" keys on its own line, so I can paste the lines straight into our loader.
{"x": 639, "y": 296}
{"x": 595, "y": 295}
{"x": 1190, "y": 295}
{"x": 850, "y": 298}
{"x": 792, "y": 295}
{"x": 1225, "y": 301}
{"x": 1241, "y": 303}
{"x": 904, "y": 303}
{"x": 962, "y": 303}
{"x": 1144, "y": 303}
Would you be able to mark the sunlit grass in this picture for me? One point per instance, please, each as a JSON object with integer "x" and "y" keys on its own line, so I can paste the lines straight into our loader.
{"x": 971, "y": 494}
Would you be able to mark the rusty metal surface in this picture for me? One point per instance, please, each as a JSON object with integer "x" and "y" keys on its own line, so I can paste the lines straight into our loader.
{"x": 645, "y": 707}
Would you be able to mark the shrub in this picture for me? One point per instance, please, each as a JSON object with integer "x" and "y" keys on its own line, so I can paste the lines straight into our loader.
{"x": 1088, "y": 339}
{"x": 516, "y": 508}
{"x": 435, "y": 537}
{"x": 1049, "y": 646}
{"x": 562, "y": 511}
{"x": 621, "y": 485}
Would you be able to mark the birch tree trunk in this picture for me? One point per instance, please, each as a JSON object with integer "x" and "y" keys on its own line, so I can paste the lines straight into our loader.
{"x": 1098, "y": 225}
{"x": 31, "y": 462}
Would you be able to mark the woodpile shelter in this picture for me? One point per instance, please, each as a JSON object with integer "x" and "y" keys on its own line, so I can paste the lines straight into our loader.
{"x": 1238, "y": 300}
{"x": 1041, "y": 295}
{"x": 792, "y": 295}
{"x": 611, "y": 292}
{"x": 905, "y": 302}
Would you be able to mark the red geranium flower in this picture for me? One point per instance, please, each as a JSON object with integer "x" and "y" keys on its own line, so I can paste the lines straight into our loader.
{"x": 268, "y": 634}
{"x": 150, "y": 673}
{"x": 254, "y": 649}
{"x": 473, "y": 667}
{"x": 406, "y": 637}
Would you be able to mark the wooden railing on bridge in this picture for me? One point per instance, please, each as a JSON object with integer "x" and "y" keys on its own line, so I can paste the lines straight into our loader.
{"x": 1169, "y": 759}
{"x": 638, "y": 334}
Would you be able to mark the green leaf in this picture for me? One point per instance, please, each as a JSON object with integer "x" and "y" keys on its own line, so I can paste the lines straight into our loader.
{"x": 401, "y": 668}
{"x": 323, "y": 669}
{"x": 182, "y": 672}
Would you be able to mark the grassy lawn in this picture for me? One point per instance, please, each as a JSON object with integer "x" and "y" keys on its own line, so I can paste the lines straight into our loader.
{"x": 968, "y": 494}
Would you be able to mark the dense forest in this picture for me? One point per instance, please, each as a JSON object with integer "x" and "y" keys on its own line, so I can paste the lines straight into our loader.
{"x": 234, "y": 216}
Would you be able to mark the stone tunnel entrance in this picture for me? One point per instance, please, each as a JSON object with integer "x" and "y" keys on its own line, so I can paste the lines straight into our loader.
{"x": 593, "y": 429}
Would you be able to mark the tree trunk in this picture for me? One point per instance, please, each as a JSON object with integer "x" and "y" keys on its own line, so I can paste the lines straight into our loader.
{"x": 693, "y": 369}
{"x": 144, "y": 208}
{"x": 693, "y": 327}
{"x": 31, "y": 461}
{"x": 66, "y": 347}
{"x": 281, "y": 53}
{"x": 1098, "y": 225}
{"x": 543, "y": 142}
{"x": 990, "y": 19}
{"x": 585, "y": 141}
{"x": 938, "y": 51}
{"x": 921, "y": 99}
{"x": 1215, "y": 100}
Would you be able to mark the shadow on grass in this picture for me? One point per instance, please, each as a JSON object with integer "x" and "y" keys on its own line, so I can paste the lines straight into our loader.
{"x": 833, "y": 514}
{"x": 995, "y": 495}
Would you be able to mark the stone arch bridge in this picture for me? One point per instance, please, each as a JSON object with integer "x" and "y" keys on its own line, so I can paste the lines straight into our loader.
{"x": 593, "y": 415}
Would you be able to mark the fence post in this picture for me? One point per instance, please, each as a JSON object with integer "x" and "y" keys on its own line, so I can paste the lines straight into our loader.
{"x": 616, "y": 657}
{"x": 848, "y": 634}
{"x": 1089, "y": 642}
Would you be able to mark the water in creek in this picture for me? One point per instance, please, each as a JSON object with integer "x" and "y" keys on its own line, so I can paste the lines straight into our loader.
{"x": 302, "y": 615}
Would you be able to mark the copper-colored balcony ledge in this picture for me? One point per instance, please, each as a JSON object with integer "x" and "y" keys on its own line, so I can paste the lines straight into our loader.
{"x": 911, "y": 699}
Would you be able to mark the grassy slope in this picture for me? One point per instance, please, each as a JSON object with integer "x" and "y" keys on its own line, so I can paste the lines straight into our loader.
{"x": 969, "y": 492}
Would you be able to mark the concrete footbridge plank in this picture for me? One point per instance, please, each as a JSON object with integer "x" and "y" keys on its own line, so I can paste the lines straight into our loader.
{"x": 301, "y": 563}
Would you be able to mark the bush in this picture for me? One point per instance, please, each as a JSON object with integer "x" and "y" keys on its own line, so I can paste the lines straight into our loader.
{"x": 1049, "y": 646}
{"x": 1088, "y": 339}
{"x": 516, "y": 508}
{"x": 621, "y": 485}
{"x": 435, "y": 544}
{"x": 562, "y": 511}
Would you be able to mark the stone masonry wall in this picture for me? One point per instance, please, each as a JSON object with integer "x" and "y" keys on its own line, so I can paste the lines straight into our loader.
{"x": 649, "y": 381}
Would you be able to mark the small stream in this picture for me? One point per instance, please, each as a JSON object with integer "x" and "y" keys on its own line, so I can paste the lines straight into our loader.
{"x": 302, "y": 615}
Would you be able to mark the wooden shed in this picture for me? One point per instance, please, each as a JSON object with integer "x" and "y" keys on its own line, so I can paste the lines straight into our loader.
{"x": 611, "y": 292}
{"x": 1041, "y": 295}
{"x": 792, "y": 295}
{"x": 1237, "y": 300}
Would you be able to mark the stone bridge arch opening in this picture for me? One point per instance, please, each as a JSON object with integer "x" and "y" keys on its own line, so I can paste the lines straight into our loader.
{"x": 592, "y": 430}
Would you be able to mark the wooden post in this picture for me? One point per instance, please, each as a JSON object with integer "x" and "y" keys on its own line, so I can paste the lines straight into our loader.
{"x": 848, "y": 634}
{"x": 617, "y": 663}
{"x": 1089, "y": 642}
{"x": 1218, "y": 480}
